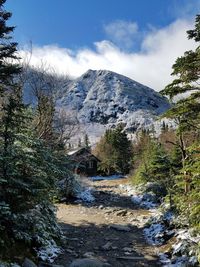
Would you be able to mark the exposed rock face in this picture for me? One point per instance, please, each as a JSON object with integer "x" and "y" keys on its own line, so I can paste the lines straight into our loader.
{"x": 87, "y": 263}
{"x": 108, "y": 98}
{"x": 28, "y": 263}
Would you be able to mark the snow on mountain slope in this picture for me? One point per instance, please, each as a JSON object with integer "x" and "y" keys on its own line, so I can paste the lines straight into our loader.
{"x": 104, "y": 98}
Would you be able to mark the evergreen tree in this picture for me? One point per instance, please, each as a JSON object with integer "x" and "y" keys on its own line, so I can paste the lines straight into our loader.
{"x": 187, "y": 114}
{"x": 79, "y": 143}
{"x": 86, "y": 141}
{"x": 11, "y": 114}
{"x": 188, "y": 205}
{"x": 154, "y": 165}
{"x": 8, "y": 49}
{"x": 187, "y": 69}
{"x": 115, "y": 151}
{"x": 187, "y": 110}
{"x": 29, "y": 166}
{"x": 176, "y": 159}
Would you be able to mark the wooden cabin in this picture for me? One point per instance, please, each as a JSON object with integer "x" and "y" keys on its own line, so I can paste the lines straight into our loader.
{"x": 84, "y": 161}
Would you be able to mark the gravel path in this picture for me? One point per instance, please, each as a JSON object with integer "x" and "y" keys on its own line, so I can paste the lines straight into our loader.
{"x": 110, "y": 229}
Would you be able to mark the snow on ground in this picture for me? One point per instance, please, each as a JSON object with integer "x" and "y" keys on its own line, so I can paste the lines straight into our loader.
{"x": 143, "y": 200}
{"x": 111, "y": 177}
{"x": 161, "y": 227}
{"x": 49, "y": 252}
{"x": 153, "y": 234}
{"x": 85, "y": 195}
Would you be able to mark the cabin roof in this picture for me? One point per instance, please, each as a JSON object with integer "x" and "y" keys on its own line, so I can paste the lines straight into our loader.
{"x": 80, "y": 151}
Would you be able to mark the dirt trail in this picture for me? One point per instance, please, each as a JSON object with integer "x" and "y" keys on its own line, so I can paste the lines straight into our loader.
{"x": 108, "y": 229}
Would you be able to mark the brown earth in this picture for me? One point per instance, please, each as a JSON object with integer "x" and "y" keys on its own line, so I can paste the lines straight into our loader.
{"x": 109, "y": 229}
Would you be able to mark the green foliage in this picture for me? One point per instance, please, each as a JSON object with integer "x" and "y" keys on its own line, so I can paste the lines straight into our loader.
{"x": 32, "y": 160}
{"x": 154, "y": 164}
{"x": 189, "y": 204}
{"x": 8, "y": 69}
{"x": 187, "y": 113}
{"x": 33, "y": 170}
{"x": 176, "y": 159}
{"x": 187, "y": 69}
{"x": 86, "y": 142}
{"x": 114, "y": 151}
{"x": 79, "y": 142}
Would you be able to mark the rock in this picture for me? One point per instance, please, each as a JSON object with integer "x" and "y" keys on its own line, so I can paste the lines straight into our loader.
{"x": 126, "y": 249}
{"x": 129, "y": 101}
{"x": 43, "y": 264}
{"x": 107, "y": 246}
{"x": 28, "y": 263}
{"x": 108, "y": 211}
{"x": 133, "y": 220}
{"x": 150, "y": 257}
{"x": 130, "y": 258}
{"x": 69, "y": 250}
{"x": 89, "y": 255}
{"x": 126, "y": 253}
{"x": 72, "y": 238}
{"x": 120, "y": 227}
{"x": 101, "y": 207}
{"x": 87, "y": 263}
{"x": 121, "y": 213}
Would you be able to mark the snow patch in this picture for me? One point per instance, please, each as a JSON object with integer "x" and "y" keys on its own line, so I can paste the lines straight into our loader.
{"x": 154, "y": 234}
{"x": 85, "y": 195}
{"x": 143, "y": 200}
{"x": 178, "y": 262}
{"x": 130, "y": 102}
{"x": 111, "y": 177}
{"x": 183, "y": 252}
{"x": 160, "y": 227}
{"x": 49, "y": 252}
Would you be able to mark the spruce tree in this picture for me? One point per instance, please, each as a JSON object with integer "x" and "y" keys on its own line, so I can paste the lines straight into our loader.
{"x": 11, "y": 119}
{"x": 187, "y": 71}
{"x": 86, "y": 142}
{"x": 29, "y": 167}
{"x": 79, "y": 143}
{"x": 186, "y": 112}
{"x": 8, "y": 49}
{"x": 115, "y": 151}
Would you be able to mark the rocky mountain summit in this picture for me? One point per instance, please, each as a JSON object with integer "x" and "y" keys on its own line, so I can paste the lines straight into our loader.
{"x": 106, "y": 98}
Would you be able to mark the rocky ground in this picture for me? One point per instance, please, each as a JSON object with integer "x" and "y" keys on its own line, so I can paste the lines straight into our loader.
{"x": 109, "y": 230}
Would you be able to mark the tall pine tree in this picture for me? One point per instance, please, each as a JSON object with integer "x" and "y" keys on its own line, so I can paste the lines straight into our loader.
{"x": 186, "y": 112}
{"x": 115, "y": 151}
{"x": 29, "y": 168}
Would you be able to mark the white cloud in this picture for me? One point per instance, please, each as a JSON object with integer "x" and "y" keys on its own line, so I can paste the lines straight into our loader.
{"x": 150, "y": 66}
{"x": 123, "y": 33}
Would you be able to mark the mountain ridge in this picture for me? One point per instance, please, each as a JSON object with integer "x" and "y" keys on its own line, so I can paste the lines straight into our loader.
{"x": 109, "y": 98}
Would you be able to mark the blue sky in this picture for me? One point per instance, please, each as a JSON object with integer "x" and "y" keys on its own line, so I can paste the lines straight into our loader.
{"x": 75, "y": 23}
{"x": 120, "y": 35}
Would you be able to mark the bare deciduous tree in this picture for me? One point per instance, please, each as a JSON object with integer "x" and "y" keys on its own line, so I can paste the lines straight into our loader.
{"x": 66, "y": 124}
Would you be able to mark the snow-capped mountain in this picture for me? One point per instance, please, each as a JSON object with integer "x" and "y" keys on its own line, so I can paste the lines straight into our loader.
{"x": 106, "y": 98}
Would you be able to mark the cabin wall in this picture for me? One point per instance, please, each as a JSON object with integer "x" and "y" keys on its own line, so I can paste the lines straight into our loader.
{"x": 91, "y": 171}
